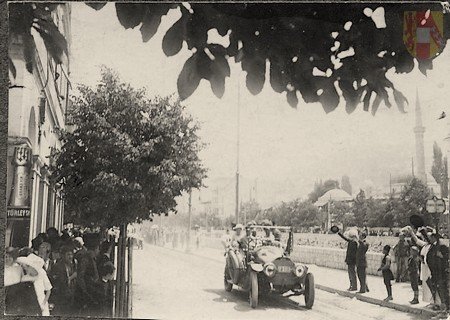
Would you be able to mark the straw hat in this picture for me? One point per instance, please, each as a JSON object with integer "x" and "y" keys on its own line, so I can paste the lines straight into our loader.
{"x": 32, "y": 260}
{"x": 238, "y": 226}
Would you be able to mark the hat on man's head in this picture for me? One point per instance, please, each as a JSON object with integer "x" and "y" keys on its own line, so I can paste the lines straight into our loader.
{"x": 31, "y": 260}
{"x": 91, "y": 240}
{"x": 238, "y": 226}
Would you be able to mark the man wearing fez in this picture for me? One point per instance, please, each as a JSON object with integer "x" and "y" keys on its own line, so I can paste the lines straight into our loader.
{"x": 87, "y": 275}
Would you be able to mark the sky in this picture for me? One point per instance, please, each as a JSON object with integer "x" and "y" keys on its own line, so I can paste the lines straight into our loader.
{"x": 283, "y": 151}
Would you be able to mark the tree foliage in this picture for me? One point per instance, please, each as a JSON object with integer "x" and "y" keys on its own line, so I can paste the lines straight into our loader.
{"x": 293, "y": 39}
{"x": 439, "y": 170}
{"x": 129, "y": 156}
{"x": 411, "y": 202}
{"x": 27, "y": 16}
{"x": 297, "y": 213}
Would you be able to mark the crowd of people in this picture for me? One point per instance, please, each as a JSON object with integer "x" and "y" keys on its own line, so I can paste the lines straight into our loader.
{"x": 61, "y": 274}
{"x": 421, "y": 258}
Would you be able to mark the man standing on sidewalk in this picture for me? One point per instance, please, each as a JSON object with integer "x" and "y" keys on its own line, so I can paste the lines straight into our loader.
{"x": 350, "y": 257}
{"x": 401, "y": 252}
{"x": 361, "y": 263}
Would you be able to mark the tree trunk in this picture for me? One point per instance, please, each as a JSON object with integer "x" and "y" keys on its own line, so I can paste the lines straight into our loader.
{"x": 120, "y": 298}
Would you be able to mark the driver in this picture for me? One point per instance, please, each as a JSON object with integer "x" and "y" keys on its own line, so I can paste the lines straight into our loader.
{"x": 252, "y": 239}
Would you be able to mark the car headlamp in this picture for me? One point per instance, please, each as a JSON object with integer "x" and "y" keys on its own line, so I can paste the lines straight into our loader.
{"x": 299, "y": 270}
{"x": 270, "y": 269}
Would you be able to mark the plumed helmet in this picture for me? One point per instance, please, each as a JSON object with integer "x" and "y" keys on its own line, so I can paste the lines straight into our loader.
{"x": 251, "y": 223}
{"x": 266, "y": 222}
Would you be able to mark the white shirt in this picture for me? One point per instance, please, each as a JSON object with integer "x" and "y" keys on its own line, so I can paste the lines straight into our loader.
{"x": 42, "y": 284}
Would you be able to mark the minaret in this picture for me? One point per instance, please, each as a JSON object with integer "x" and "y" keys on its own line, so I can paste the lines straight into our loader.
{"x": 419, "y": 130}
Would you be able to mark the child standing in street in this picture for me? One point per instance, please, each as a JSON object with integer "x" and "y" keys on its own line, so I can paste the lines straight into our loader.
{"x": 413, "y": 269}
{"x": 385, "y": 269}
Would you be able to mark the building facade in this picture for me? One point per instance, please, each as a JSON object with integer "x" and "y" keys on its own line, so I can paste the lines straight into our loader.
{"x": 36, "y": 114}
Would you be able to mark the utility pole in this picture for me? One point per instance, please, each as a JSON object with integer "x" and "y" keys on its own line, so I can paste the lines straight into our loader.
{"x": 188, "y": 245}
{"x": 237, "y": 151}
{"x": 390, "y": 184}
{"x": 447, "y": 139}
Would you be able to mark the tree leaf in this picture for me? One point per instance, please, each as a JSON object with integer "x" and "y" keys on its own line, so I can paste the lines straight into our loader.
{"x": 366, "y": 99}
{"x": 129, "y": 14}
{"x": 152, "y": 20}
{"x": 277, "y": 78}
{"x": 376, "y": 104}
{"x": 189, "y": 79}
{"x": 96, "y": 5}
{"x": 220, "y": 70}
{"x": 400, "y": 100}
{"x": 217, "y": 82}
{"x": 292, "y": 99}
{"x": 404, "y": 62}
{"x": 173, "y": 39}
{"x": 256, "y": 74}
{"x": 28, "y": 51}
{"x": 54, "y": 41}
{"x": 351, "y": 96}
{"x": 329, "y": 98}
{"x": 425, "y": 65}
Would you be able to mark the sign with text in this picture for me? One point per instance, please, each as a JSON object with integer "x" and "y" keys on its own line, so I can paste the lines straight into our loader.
{"x": 18, "y": 213}
{"x": 435, "y": 205}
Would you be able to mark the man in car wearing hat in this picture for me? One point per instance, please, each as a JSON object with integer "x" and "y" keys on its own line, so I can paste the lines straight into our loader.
{"x": 87, "y": 275}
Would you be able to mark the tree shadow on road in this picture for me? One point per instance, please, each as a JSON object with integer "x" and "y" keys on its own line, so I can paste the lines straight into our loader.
{"x": 241, "y": 300}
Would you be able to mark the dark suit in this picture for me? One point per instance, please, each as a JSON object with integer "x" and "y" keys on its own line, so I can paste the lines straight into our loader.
{"x": 64, "y": 290}
{"x": 361, "y": 264}
{"x": 87, "y": 281}
{"x": 350, "y": 260}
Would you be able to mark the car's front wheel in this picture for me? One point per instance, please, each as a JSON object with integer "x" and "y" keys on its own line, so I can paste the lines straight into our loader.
{"x": 309, "y": 291}
{"x": 253, "y": 293}
{"x": 226, "y": 281}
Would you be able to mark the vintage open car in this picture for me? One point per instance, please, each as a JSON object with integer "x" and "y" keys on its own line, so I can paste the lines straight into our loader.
{"x": 262, "y": 265}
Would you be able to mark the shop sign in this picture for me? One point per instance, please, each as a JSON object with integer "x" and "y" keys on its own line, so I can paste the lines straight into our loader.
{"x": 18, "y": 213}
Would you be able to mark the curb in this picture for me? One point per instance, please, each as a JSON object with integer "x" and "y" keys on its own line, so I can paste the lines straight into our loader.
{"x": 399, "y": 307}
{"x": 391, "y": 305}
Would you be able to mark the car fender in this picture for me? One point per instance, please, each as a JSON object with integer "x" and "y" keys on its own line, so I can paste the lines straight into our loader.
{"x": 257, "y": 267}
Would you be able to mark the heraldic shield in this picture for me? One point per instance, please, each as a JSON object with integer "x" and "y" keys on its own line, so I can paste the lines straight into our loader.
{"x": 423, "y": 33}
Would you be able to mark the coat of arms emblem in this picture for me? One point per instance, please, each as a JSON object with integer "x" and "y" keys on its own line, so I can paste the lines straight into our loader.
{"x": 423, "y": 33}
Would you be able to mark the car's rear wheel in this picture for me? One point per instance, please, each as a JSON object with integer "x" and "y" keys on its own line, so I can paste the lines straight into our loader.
{"x": 253, "y": 293}
{"x": 309, "y": 291}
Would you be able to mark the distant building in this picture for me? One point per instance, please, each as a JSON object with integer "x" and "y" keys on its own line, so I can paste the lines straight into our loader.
{"x": 398, "y": 183}
{"x": 37, "y": 107}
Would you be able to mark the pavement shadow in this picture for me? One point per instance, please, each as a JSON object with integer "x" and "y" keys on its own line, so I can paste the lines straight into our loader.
{"x": 240, "y": 299}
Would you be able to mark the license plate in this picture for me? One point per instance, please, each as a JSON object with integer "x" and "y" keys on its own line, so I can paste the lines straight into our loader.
{"x": 284, "y": 269}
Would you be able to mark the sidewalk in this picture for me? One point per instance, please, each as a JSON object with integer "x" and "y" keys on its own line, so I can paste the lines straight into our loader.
{"x": 336, "y": 281}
